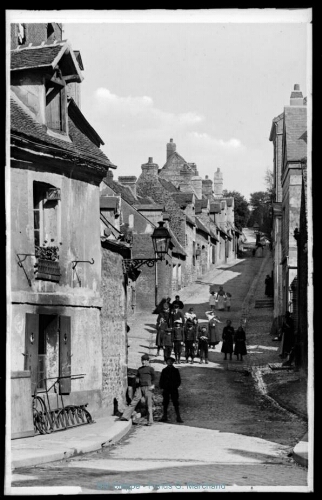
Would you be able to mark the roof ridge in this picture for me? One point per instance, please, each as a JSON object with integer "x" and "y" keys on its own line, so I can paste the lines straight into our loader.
{"x": 44, "y": 46}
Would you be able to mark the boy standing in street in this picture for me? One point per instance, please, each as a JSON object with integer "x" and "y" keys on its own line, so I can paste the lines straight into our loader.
{"x": 203, "y": 338}
{"x": 176, "y": 314}
{"x": 145, "y": 377}
{"x": 170, "y": 380}
{"x": 190, "y": 338}
{"x": 178, "y": 339}
{"x": 167, "y": 343}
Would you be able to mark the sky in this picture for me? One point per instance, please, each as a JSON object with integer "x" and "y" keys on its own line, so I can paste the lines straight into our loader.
{"x": 211, "y": 82}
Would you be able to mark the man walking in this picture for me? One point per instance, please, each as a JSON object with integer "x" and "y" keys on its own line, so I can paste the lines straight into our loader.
{"x": 145, "y": 377}
{"x": 170, "y": 381}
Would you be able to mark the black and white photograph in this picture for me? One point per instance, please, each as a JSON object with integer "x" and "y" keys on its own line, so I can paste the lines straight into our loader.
{"x": 159, "y": 251}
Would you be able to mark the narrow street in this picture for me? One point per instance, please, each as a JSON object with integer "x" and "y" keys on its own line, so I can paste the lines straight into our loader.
{"x": 232, "y": 435}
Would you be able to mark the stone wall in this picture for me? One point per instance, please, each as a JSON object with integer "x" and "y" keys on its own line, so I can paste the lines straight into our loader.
{"x": 113, "y": 331}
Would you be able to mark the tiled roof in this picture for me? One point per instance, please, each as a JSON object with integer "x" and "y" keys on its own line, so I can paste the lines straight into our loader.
{"x": 47, "y": 56}
{"x": 150, "y": 206}
{"x": 124, "y": 191}
{"x": 213, "y": 234}
{"x": 177, "y": 248}
{"x": 109, "y": 202}
{"x": 171, "y": 158}
{"x": 296, "y": 132}
{"x": 190, "y": 220}
{"x": 200, "y": 226}
{"x": 183, "y": 199}
{"x": 35, "y": 57}
{"x": 168, "y": 185}
{"x": 198, "y": 207}
{"x": 215, "y": 208}
{"x": 25, "y": 126}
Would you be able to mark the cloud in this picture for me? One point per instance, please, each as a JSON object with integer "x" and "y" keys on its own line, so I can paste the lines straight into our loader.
{"x": 212, "y": 142}
{"x": 139, "y": 112}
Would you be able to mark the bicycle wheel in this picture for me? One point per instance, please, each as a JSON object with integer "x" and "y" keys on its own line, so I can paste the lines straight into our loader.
{"x": 71, "y": 414}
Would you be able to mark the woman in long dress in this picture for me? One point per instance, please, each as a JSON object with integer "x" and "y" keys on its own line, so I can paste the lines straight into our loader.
{"x": 228, "y": 339}
{"x": 214, "y": 337}
{"x": 221, "y": 297}
{"x": 240, "y": 343}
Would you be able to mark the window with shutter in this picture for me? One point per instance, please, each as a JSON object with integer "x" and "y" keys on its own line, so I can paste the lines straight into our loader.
{"x": 56, "y": 103}
{"x": 65, "y": 354}
{"x": 31, "y": 347}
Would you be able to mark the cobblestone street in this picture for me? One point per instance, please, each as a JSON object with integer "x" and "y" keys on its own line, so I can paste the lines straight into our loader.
{"x": 232, "y": 437}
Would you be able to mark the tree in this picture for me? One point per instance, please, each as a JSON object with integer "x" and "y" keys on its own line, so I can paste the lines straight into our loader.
{"x": 241, "y": 209}
{"x": 261, "y": 203}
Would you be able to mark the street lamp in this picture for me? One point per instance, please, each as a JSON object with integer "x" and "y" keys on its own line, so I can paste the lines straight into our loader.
{"x": 256, "y": 228}
{"x": 161, "y": 241}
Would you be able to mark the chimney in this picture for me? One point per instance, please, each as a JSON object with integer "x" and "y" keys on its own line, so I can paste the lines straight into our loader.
{"x": 129, "y": 181}
{"x": 296, "y": 96}
{"x": 196, "y": 183}
{"x": 109, "y": 176}
{"x": 150, "y": 168}
{"x": 171, "y": 148}
{"x": 207, "y": 187}
{"x": 218, "y": 183}
{"x": 193, "y": 167}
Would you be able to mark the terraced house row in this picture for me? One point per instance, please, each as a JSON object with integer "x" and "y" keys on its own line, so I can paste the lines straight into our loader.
{"x": 72, "y": 227}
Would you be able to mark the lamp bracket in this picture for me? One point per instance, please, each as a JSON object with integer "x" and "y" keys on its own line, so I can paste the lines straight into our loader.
{"x": 75, "y": 262}
{"x": 130, "y": 264}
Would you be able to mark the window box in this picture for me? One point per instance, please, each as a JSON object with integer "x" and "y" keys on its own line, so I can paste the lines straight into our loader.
{"x": 48, "y": 270}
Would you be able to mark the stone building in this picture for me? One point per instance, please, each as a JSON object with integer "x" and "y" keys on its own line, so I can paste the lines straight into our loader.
{"x": 55, "y": 254}
{"x": 276, "y": 136}
{"x": 289, "y": 137}
{"x": 139, "y": 215}
{"x": 294, "y": 151}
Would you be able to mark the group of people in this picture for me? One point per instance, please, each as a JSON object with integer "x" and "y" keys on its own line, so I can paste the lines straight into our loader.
{"x": 169, "y": 382}
{"x": 220, "y": 300}
{"x": 234, "y": 342}
{"x": 178, "y": 331}
{"x": 175, "y": 330}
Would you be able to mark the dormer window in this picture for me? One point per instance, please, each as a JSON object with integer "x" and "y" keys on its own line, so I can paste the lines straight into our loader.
{"x": 21, "y": 34}
{"x": 56, "y": 103}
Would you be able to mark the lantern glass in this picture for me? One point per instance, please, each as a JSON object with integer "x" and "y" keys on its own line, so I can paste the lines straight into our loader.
{"x": 161, "y": 240}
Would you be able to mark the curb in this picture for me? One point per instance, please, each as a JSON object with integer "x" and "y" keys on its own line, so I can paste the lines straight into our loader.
{"x": 300, "y": 452}
{"x": 71, "y": 451}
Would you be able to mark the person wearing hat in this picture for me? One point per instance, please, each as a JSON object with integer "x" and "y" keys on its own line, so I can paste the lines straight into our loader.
{"x": 203, "y": 339}
{"x": 170, "y": 381}
{"x": 213, "y": 319}
{"x": 190, "y": 339}
{"x": 175, "y": 314}
{"x": 190, "y": 314}
{"x": 166, "y": 339}
{"x": 145, "y": 377}
{"x": 164, "y": 320}
{"x": 177, "y": 339}
{"x": 178, "y": 302}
